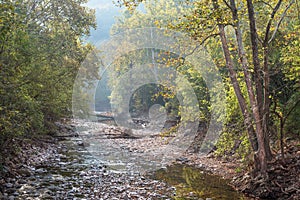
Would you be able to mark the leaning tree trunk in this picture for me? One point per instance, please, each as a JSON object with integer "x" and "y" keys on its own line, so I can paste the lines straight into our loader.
{"x": 263, "y": 143}
{"x": 237, "y": 90}
{"x": 243, "y": 59}
{"x": 233, "y": 77}
{"x": 260, "y": 154}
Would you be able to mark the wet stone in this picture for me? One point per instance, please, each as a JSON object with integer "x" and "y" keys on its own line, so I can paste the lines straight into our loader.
{"x": 11, "y": 197}
{"x": 24, "y": 172}
{"x": 9, "y": 185}
{"x": 70, "y": 172}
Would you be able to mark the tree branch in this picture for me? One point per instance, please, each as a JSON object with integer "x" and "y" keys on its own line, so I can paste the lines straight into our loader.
{"x": 280, "y": 20}
{"x": 266, "y": 3}
{"x": 201, "y": 43}
{"x": 227, "y": 4}
{"x": 290, "y": 111}
{"x": 270, "y": 22}
{"x": 206, "y": 38}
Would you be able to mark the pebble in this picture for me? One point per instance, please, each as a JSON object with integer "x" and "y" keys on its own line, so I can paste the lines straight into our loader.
{"x": 66, "y": 172}
{"x": 70, "y": 178}
{"x": 24, "y": 172}
{"x": 11, "y": 197}
{"x": 41, "y": 170}
{"x": 9, "y": 185}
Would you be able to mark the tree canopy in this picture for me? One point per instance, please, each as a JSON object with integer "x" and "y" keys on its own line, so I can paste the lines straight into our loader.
{"x": 255, "y": 45}
{"x": 41, "y": 48}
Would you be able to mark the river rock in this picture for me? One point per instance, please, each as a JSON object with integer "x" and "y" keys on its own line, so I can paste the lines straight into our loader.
{"x": 41, "y": 170}
{"x": 16, "y": 193}
{"x": 9, "y": 185}
{"x": 80, "y": 143}
{"x": 24, "y": 172}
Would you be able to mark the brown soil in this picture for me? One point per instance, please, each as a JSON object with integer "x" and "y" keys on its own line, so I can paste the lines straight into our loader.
{"x": 282, "y": 180}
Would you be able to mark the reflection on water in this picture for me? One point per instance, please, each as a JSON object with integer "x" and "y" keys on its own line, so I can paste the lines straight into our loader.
{"x": 144, "y": 154}
{"x": 193, "y": 183}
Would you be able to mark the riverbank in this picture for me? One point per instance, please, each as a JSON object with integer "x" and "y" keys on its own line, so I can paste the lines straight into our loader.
{"x": 46, "y": 168}
{"x": 52, "y": 170}
{"x": 282, "y": 182}
{"x": 63, "y": 168}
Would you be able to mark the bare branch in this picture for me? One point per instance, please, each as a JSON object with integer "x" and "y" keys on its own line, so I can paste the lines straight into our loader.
{"x": 270, "y": 22}
{"x": 227, "y": 4}
{"x": 201, "y": 43}
{"x": 266, "y": 3}
{"x": 280, "y": 20}
{"x": 209, "y": 36}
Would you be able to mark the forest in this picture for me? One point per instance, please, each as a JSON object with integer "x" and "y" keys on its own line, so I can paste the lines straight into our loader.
{"x": 253, "y": 46}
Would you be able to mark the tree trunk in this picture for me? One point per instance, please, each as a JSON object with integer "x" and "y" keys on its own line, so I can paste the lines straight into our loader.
{"x": 281, "y": 137}
{"x": 255, "y": 57}
{"x": 236, "y": 86}
{"x": 243, "y": 59}
{"x": 266, "y": 105}
{"x": 256, "y": 107}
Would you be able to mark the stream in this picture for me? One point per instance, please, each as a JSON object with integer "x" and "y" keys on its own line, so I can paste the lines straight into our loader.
{"x": 88, "y": 167}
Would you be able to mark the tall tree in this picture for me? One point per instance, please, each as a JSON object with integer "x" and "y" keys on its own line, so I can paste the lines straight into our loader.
{"x": 263, "y": 22}
{"x": 41, "y": 48}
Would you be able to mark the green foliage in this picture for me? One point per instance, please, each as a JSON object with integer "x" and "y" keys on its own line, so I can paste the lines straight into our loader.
{"x": 199, "y": 19}
{"x": 199, "y": 87}
{"x": 41, "y": 50}
{"x": 293, "y": 106}
{"x": 160, "y": 14}
{"x": 233, "y": 142}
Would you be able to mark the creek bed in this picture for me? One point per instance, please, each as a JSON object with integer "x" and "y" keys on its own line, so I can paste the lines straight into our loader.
{"x": 76, "y": 172}
{"x": 121, "y": 155}
{"x": 194, "y": 183}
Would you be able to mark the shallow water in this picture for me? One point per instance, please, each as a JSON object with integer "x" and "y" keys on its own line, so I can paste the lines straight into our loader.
{"x": 76, "y": 174}
{"x": 190, "y": 182}
{"x": 193, "y": 183}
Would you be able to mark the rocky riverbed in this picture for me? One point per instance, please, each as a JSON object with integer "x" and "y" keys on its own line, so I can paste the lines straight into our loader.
{"x": 67, "y": 171}
{"x": 104, "y": 162}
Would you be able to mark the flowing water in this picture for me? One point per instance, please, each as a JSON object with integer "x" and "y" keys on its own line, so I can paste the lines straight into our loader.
{"x": 193, "y": 183}
{"x": 76, "y": 173}
{"x": 188, "y": 182}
